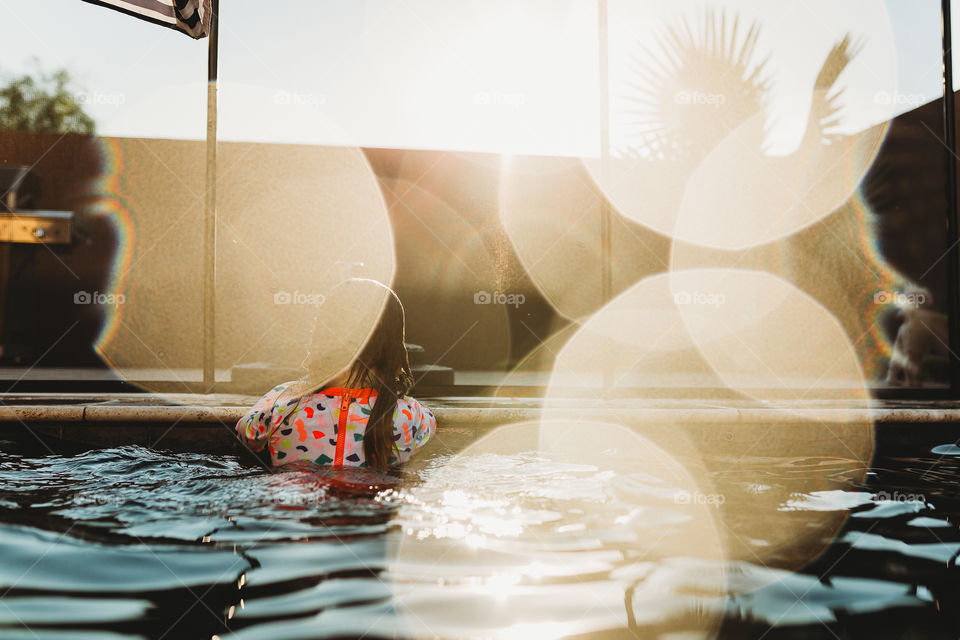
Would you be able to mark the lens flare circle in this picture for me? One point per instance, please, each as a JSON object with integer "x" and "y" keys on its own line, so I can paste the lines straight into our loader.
{"x": 293, "y": 221}
{"x": 531, "y": 528}
{"x": 748, "y": 347}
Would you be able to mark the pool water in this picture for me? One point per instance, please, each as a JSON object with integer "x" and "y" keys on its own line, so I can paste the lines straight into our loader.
{"x": 128, "y": 542}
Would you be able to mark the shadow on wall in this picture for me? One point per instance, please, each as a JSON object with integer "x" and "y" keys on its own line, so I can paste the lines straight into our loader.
{"x": 42, "y": 316}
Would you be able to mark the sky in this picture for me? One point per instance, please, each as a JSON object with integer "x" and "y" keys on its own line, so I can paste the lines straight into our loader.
{"x": 499, "y": 76}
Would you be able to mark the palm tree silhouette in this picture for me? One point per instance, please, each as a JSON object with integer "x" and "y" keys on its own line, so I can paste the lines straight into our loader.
{"x": 691, "y": 67}
{"x": 706, "y": 82}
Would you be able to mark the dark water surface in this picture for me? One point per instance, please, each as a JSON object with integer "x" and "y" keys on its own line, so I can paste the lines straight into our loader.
{"x": 129, "y": 542}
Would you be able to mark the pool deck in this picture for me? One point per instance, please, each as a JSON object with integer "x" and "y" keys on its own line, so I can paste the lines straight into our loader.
{"x": 206, "y": 421}
{"x": 224, "y": 408}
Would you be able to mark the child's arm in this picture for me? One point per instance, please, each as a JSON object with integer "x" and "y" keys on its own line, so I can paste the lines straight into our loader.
{"x": 416, "y": 425}
{"x": 256, "y": 427}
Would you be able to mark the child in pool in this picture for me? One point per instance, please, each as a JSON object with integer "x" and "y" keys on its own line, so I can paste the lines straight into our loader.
{"x": 361, "y": 417}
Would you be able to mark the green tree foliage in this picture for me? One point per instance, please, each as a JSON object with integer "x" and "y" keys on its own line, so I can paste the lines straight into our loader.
{"x": 43, "y": 103}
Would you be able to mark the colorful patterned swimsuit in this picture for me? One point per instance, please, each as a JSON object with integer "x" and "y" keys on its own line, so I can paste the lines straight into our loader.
{"x": 315, "y": 427}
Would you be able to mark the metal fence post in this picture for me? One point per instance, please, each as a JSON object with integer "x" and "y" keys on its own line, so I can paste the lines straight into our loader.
{"x": 210, "y": 209}
{"x": 950, "y": 137}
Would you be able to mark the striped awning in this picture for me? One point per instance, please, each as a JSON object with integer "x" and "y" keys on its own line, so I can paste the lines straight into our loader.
{"x": 190, "y": 16}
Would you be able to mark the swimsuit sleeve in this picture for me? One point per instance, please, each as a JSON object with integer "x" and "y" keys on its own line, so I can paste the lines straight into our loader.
{"x": 256, "y": 427}
{"x": 414, "y": 425}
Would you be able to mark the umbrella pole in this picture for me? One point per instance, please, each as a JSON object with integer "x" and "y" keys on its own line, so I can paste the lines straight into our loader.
{"x": 210, "y": 208}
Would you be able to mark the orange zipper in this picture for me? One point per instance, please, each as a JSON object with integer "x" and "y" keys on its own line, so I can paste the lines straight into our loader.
{"x": 342, "y": 428}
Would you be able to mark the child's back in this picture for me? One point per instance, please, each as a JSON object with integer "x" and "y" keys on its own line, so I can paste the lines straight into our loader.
{"x": 318, "y": 428}
{"x": 340, "y": 413}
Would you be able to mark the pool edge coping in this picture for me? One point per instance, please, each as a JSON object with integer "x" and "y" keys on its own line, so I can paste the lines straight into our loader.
{"x": 103, "y": 412}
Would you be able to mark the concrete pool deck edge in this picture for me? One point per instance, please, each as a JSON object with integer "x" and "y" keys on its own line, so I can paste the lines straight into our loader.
{"x": 66, "y": 409}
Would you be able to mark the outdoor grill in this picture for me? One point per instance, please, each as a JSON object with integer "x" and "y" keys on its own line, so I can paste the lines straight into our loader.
{"x": 19, "y": 221}
{"x": 21, "y": 225}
